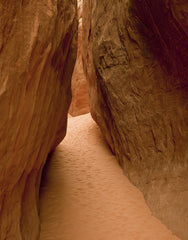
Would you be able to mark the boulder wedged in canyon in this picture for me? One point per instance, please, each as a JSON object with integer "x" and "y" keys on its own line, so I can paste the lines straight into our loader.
{"x": 136, "y": 61}
{"x": 38, "y": 42}
{"x": 79, "y": 85}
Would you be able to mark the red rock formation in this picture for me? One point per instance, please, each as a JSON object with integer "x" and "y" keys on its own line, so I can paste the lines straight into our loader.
{"x": 80, "y": 97}
{"x": 136, "y": 61}
{"x": 37, "y": 55}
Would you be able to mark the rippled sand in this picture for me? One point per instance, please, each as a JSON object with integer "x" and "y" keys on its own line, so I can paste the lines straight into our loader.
{"x": 85, "y": 196}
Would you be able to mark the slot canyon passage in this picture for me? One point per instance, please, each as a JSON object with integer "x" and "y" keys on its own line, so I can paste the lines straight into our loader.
{"x": 119, "y": 169}
{"x": 85, "y": 195}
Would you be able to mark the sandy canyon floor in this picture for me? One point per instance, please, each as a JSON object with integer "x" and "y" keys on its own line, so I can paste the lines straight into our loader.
{"x": 85, "y": 195}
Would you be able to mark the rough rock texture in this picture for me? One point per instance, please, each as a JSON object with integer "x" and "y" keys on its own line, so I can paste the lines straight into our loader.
{"x": 37, "y": 55}
{"x": 136, "y": 61}
{"x": 80, "y": 97}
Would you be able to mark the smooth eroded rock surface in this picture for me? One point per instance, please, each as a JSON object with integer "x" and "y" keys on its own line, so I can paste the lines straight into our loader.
{"x": 136, "y": 61}
{"x": 84, "y": 194}
{"x": 37, "y": 55}
{"x": 80, "y": 97}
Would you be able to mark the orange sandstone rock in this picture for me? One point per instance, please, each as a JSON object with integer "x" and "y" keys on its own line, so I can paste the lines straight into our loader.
{"x": 136, "y": 62}
{"x": 80, "y": 97}
{"x": 37, "y": 55}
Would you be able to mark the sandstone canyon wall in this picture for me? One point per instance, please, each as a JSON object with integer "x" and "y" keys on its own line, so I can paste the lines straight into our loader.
{"x": 136, "y": 61}
{"x": 80, "y": 97}
{"x": 38, "y": 41}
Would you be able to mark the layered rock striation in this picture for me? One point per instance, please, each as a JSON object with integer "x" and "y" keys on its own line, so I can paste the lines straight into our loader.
{"x": 38, "y": 41}
{"x": 136, "y": 62}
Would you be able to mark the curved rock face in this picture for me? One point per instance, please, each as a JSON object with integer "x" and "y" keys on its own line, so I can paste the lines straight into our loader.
{"x": 37, "y": 55}
{"x": 80, "y": 97}
{"x": 136, "y": 61}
